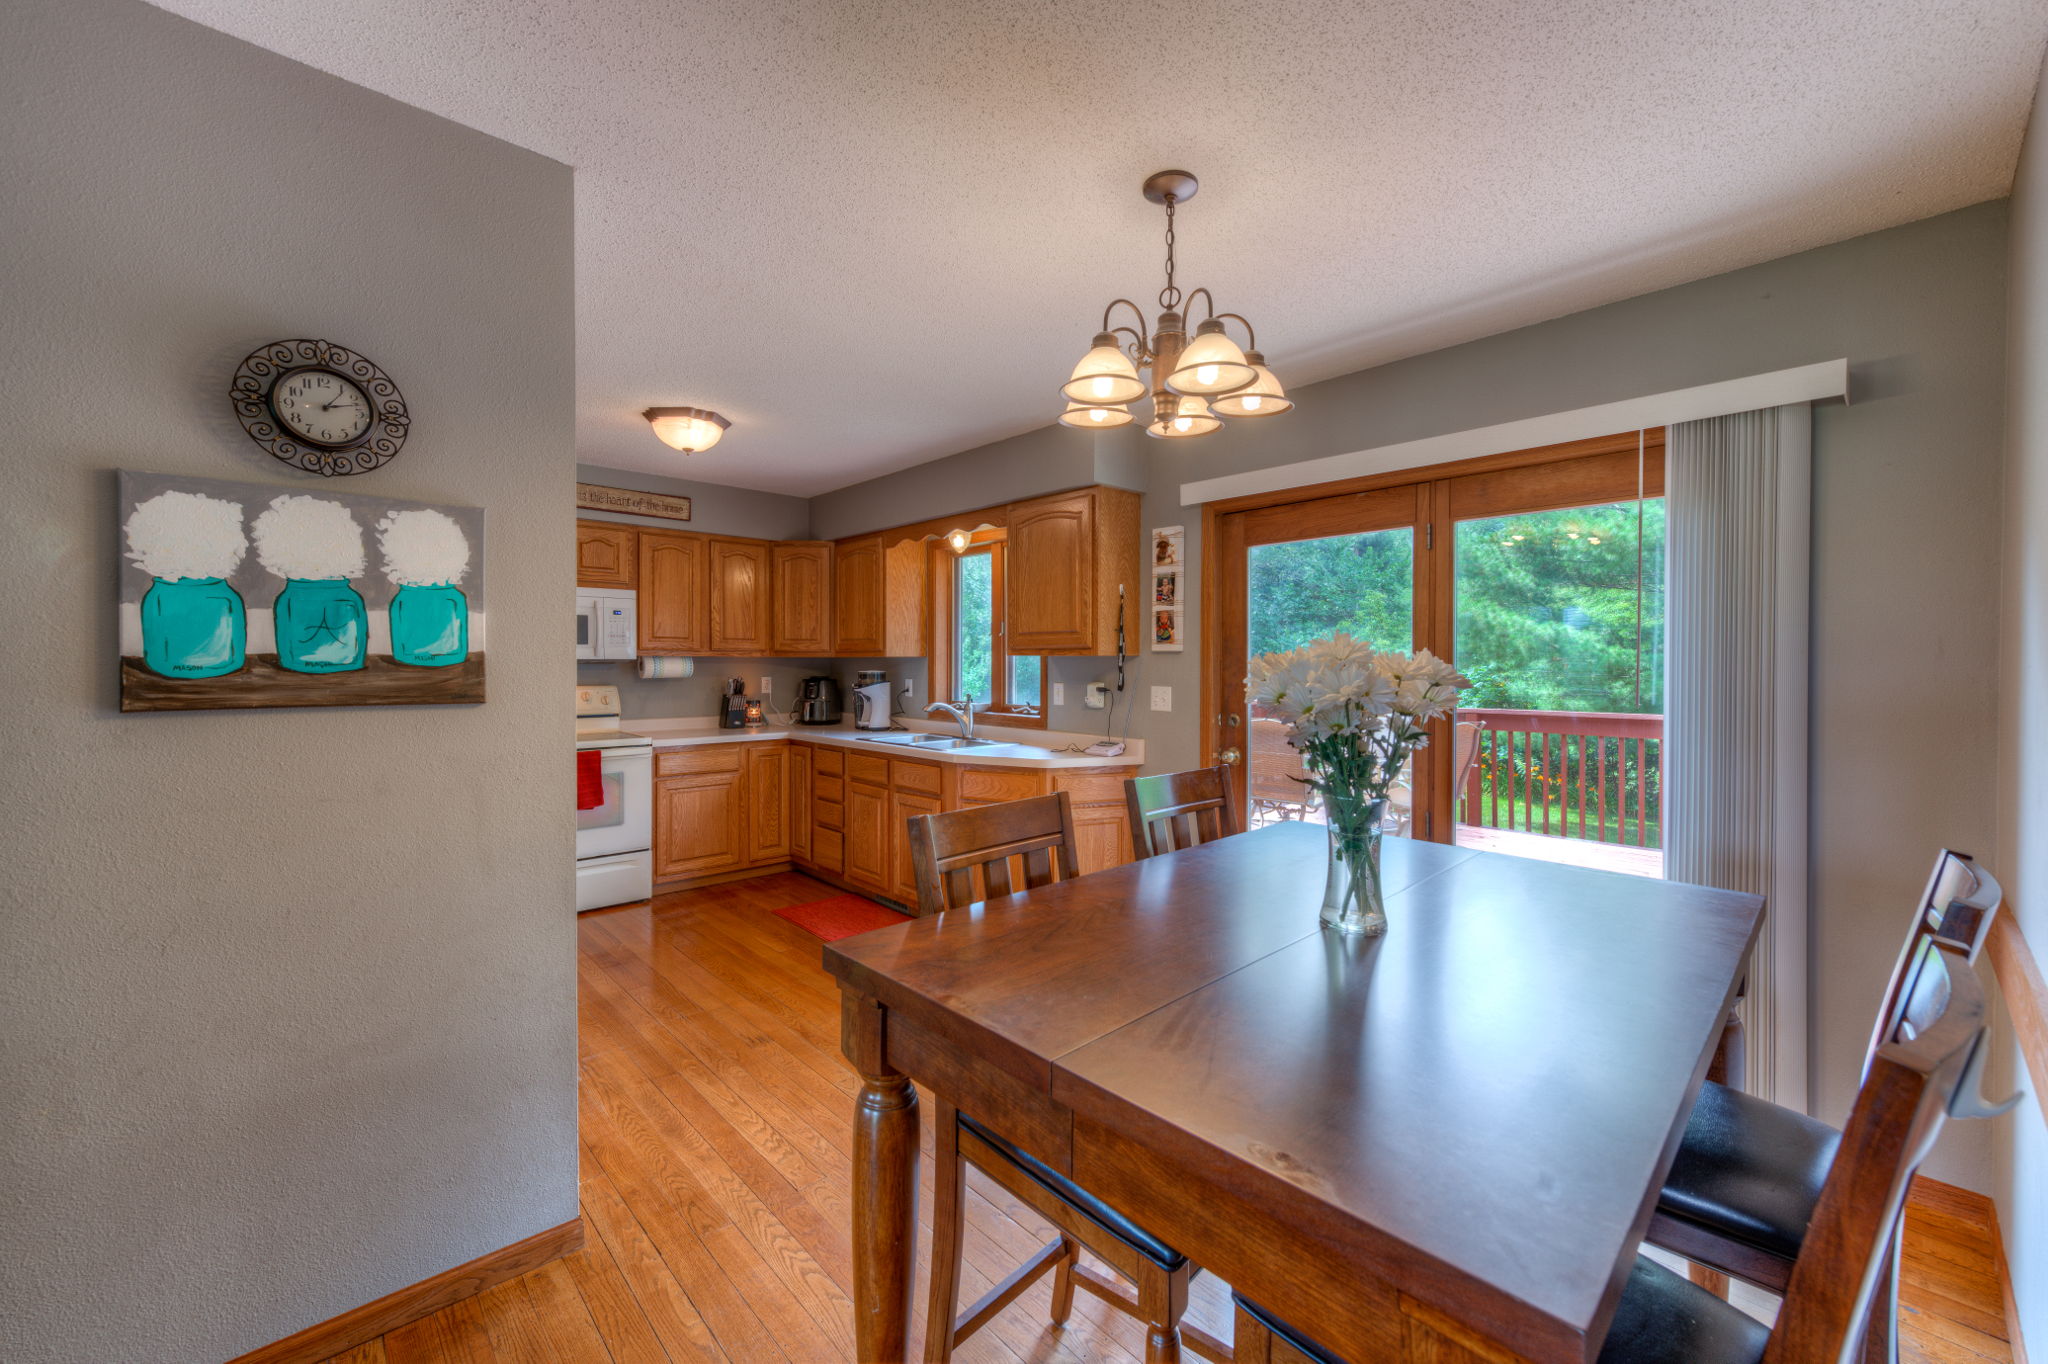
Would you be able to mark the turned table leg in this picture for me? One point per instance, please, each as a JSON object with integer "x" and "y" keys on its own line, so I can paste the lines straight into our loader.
{"x": 884, "y": 1188}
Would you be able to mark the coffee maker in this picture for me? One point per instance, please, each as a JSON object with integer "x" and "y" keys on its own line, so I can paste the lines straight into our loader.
{"x": 871, "y": 699}
{"x": 818, "y": 701}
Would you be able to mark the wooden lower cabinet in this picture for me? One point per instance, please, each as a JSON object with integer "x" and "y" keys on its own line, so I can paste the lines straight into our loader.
{"x": 903, "y": 807}
{"x": 768, "y": 811}
{"x": 867, "y": 837}
{"x": 801, "y": 759}
{"x": 700, "y": 817}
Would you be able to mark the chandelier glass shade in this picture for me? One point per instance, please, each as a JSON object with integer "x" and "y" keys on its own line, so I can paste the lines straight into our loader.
{"x": 691, "y": 430}
{"x": 1195, "y": 382}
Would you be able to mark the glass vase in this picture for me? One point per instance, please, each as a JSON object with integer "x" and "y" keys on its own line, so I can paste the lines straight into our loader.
{"x": 193, "y": 627}
{"x": 429, "y": 626}
{"x": 1353, "y": 901}
{"x": 322, "y": 626}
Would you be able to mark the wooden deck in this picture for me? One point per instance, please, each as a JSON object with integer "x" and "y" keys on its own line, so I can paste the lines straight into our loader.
{"x": 717, "y": 1117}
{"x": 1577, "y": 852}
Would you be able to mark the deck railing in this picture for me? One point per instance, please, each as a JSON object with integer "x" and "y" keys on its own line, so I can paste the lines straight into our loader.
{"x": 1574, "y": 774}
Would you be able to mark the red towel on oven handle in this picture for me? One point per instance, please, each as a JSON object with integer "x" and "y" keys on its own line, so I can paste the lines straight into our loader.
{"x": 589, "y": 778}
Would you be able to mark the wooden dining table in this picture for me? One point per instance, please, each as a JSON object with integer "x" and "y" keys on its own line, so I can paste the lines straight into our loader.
{"x": 1441, "y": 1144}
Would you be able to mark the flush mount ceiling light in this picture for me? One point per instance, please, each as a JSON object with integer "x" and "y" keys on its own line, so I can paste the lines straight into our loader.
{"x": 1195, "y": 383}
{"x": 691, "y": 430}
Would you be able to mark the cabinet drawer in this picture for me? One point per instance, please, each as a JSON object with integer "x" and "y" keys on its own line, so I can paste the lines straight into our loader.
{"x": 868, "y": 768}
{"x": 831, "y": 761}
{"x": 828, "y": 788}
{"x": 920, "y": 777}
{"x": 684, "y": 762}
{"x": 828, "y": 850}
{"x": 1090, "y": 788}
{"x": 828, "y": 814}
{"x": 993, "y": 784}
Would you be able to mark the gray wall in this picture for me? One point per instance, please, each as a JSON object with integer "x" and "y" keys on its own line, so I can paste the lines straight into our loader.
{"x": 289, "y": 1009}
{"x": 2022, "y": 1183}
{"x": 1906, "y": 483}
{"x": 714, "y": 509}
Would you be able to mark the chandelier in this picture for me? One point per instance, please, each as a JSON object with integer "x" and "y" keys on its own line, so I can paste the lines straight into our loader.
{"x": 1195, "y": 383}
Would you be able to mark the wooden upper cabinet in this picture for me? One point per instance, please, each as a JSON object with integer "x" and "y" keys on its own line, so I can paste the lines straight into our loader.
{"x": 675, "y": 593}
{"x": 1068, "y": 555}
{"x": 605, "y": 555}
{"x": 740, "y": 597}
{"x": 878, "y": 598}
{"x": 800, "y": 573}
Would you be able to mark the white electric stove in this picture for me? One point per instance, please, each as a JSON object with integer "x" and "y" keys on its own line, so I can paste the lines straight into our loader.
{"x": 614, "y": 841}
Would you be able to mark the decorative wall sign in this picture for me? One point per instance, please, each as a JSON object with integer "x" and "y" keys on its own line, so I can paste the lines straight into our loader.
{"x": 320, "y": 407}
{"x": 597, "y": 497}
{"x": 1169, "y": 589}
{"x": 245, "y": 595}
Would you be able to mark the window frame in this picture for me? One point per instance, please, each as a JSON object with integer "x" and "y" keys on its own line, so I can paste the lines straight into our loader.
{"x": 943, "y": 660}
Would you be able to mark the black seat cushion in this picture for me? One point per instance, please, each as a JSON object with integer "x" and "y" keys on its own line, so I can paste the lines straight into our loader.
{"x": 1749, "y": 1170}
{"x": 1091, "y": 1207}
{"x": 1666, "y": 1319}
{"x": 1300, "y": 1342}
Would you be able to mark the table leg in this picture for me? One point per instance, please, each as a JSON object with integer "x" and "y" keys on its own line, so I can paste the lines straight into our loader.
{"x": 884, "y": 1192}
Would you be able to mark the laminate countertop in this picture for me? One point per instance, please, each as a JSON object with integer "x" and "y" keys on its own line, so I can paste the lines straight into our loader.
{"x": 694, "y": 733}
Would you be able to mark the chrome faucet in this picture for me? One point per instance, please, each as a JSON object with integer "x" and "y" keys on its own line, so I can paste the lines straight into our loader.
{"x": 961, "y": 710}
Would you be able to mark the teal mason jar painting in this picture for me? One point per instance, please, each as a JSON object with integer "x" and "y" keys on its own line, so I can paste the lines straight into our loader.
{"x": 193, "y": 627}
{"x": 322, "y": 626}
{"x": 429, "y": 626}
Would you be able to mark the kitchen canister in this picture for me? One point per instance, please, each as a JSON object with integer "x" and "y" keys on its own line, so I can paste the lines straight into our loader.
{"x": 319, "y": 618}
{"x": 426, "y": 555}
{"x": 194, "y": 623}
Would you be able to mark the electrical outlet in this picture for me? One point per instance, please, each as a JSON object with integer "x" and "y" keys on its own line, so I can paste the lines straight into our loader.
{"x": 767, "y": 686}
{"x": 1059, "y": 693}
{"x": 904, "y": 690}
{"x": 1162, "y": 698}
{"x": 1097, "y": 696}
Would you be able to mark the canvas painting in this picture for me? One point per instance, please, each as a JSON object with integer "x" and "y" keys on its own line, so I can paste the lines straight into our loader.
{"x": 250, "y": 595}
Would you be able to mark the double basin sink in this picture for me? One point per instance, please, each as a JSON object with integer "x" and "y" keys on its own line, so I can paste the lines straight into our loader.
{"x": 930, "y": 741}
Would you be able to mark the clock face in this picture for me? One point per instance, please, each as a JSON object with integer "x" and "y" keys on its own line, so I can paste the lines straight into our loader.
{"x": 321, "y": 407}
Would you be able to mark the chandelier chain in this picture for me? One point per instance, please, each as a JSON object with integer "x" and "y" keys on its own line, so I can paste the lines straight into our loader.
{"x": 1169, "y": 297}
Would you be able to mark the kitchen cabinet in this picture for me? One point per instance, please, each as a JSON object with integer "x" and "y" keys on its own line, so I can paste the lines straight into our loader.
{"x": 878, "y": 598}
{"x": 867, "y": 837}
{"x": 767, "y": 800}
{"x": 1068, "y": 556}
{"x": 700, "y": 815}
{"x": 739, "y": 597}
{"x": 674, "y": 593}
{"x": 802, "y": 757}
{"x": 800, "y": 582}
{"x": 904, "y": 806}
{"x": 606, "y": 555}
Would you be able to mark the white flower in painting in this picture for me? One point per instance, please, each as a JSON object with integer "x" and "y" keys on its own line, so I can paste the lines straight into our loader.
{"x": 422, "y": 548}
{"x": 309, "y": 538}
{"x": 186, "y": 535}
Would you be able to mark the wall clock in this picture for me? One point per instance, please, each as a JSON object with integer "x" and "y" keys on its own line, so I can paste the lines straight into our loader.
{"x": 320, "y": 407}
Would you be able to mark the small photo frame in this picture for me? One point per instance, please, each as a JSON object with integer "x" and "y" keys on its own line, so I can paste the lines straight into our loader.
{"x": 1166, "y": 547}
{"x": 1166, "y": 589}
{"x": 1169, "y": 589}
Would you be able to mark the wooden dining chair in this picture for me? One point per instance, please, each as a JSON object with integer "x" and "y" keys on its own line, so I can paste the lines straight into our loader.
{"x": 1749, "y": 1173}
{"x": 1180, "y": 809}
{"x": 1927, "y": 1065}
{"x": 953, "y": 852}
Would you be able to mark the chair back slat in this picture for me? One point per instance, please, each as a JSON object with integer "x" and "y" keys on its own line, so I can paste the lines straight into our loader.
{"x": 1956, "y": 909}
{"x": 1928, "y": 1037}
{"x": 1175, "y": 810}
{"x": 1035, "y": 836}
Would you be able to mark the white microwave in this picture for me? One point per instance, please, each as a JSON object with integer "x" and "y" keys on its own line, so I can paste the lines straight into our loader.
{"x": 606, "y": 625}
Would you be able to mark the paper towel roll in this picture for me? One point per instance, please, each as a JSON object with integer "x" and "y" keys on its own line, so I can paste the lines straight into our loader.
{"x": 657, "y": 665}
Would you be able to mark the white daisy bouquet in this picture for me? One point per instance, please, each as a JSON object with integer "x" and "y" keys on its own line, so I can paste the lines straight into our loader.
{"x": 1357, "y": 714}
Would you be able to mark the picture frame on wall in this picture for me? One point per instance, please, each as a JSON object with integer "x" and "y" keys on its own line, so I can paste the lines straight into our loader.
{"x": 1170, "y": 585}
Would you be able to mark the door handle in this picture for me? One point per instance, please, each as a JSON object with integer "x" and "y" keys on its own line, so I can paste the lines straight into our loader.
{"x": 1229, "y": 757}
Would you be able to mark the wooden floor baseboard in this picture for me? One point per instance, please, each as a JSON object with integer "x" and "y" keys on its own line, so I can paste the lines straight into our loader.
{"x": 326, "y": 1339}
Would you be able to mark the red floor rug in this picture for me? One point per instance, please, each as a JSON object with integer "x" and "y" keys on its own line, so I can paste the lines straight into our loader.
{"x": 842, "y": 916}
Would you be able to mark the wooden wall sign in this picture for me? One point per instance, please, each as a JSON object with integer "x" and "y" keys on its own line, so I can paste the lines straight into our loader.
{"x": 597, "y": 497}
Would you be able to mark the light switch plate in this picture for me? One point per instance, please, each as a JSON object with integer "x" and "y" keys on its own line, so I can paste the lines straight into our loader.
{"x": 767, "y": 686}
{"x": 1059, "y": 693}
{"x": 1162, "y": 698}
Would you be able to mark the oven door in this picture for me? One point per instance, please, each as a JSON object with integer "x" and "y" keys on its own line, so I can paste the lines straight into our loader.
{"x": 625, "y": 822}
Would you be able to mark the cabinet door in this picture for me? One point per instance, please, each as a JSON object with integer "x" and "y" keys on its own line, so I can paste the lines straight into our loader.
{"x": 674, "y": 593}
{"x": 699, "y": 825}
{"x": 739, "y": 598}
{"x": 801, "y": 574}
{"x": 1050, "y": 595}
{"x": 767, "y": 803}
{"x": 857, "y": 598}
{"x": 800, "y": 801}
{"x": 1102, "y": 837}
{"x": 902, "y": 870}
{"x": 604, "y": 555}
{"x": 867, "y": 836}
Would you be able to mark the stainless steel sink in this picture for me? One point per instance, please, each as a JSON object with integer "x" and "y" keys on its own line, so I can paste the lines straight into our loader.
{"x": 895, "y": 738}
{"x": 941, "y": 741}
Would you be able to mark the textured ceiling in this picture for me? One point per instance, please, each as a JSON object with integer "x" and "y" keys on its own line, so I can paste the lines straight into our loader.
{"x": 874, "y": 233}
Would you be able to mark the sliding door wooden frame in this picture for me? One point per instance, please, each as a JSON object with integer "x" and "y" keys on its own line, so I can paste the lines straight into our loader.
{"x": 1592, "y": 471}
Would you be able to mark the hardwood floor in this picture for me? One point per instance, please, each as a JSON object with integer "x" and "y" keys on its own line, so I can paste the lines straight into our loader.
{"x": 717, "y": 1117}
